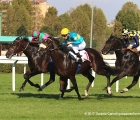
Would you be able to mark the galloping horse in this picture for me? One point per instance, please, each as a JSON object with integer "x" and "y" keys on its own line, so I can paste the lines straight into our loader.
{"x": 127, "y": 61}
{"x": 68, "y": 67}
{"x": 38, "y": 62}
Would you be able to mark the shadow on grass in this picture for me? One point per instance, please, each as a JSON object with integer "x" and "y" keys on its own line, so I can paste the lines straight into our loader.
{"x": 47, "y": 96}
{"x": 106, "y": 96}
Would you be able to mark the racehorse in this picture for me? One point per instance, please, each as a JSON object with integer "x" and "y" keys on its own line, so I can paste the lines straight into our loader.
{"x": 68, "y": 67}
{"x": 127, "y": 61}
{"x": 38, "y": 62}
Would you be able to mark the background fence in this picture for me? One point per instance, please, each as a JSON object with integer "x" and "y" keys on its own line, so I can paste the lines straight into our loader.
{"x": 24, "y": 60}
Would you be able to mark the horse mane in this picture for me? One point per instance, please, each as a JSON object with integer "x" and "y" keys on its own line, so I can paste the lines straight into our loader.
{"x": 26, "y": 39}
{"x": 61, "y": 47}
{"x": 57, "y": 42}
{"x": 122, "y": 42}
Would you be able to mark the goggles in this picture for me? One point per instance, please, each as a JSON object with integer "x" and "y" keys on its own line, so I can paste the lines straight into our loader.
{"x": 64, "y": 35}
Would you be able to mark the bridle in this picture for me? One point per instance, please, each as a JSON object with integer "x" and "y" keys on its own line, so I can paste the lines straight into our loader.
{"x": 21, "y": 46}
{"x": 48, "y": 50}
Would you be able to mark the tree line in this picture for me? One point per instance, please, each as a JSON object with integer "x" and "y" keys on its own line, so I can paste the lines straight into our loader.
{"x": 22, "y": 17}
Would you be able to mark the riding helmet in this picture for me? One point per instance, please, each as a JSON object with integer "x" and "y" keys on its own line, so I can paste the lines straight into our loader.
{"x": 125, "y": 32}
{"x": 64, "y": 31}
{"x": 36, "y": 34}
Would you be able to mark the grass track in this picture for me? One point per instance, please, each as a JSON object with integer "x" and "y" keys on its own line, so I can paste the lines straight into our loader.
{"x": 46, "y": 105}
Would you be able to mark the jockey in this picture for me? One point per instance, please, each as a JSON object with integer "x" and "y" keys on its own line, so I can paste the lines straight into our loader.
{"x": 131, "y": 39}
{"x": 39, "y": 36}
{"x": 74, "y": 41}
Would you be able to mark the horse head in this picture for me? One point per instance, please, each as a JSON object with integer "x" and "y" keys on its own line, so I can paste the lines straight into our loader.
{"x": 113, "y": 44}
{"x": 18, "y": 45}
{"x": 52, "y": 44}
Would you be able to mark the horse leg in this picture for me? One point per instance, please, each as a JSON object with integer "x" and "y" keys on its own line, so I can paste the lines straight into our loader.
{"x": 134, "y": 82}
{"x": 105, "y": 73}
{"x": 73, "y": 80}
{"x": 63, "y": 86}
{"x": 90, "y": 78}
{"x": 51, "y": 80}
{"x": 118, "y": 77}
{"x": 28, "y": 75}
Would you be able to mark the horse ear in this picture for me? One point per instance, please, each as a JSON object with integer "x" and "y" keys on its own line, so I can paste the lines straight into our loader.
{"x": 111, "y": 35}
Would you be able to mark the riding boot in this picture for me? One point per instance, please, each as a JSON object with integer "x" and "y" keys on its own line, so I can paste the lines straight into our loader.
{"x": 80, "y": 59}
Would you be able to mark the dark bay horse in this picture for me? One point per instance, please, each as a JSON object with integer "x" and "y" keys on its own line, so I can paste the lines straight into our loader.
{"x": 38, "y": 62}
{"x": 127, "y": 61}
{"x": 68, "y": 67}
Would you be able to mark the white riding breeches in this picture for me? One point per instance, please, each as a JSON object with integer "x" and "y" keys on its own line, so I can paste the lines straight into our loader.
{"x": 78, "y": 47}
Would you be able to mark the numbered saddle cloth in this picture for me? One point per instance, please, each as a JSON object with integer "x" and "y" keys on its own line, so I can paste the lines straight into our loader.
{"x": 84, "y": 55}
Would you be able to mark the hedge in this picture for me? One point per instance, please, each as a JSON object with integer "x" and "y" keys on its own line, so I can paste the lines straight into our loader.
{"x": 7, "y": 68}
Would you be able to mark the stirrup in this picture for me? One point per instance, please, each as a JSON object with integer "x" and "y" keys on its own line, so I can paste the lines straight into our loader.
{"x": 78, "y": 55}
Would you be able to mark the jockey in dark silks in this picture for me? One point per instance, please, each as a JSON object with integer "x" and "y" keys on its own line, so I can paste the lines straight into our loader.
{"x": 131, "y": 39}
{"x": 39, "y": 37}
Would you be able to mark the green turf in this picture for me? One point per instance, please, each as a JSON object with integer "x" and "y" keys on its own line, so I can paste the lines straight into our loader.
{"x": 46, "y": 105}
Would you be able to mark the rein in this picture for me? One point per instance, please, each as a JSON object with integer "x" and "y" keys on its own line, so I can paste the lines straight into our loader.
{"x": 23, "y": 47}
{"x": 50, "y": 50}
{"x": 26, "y": 47}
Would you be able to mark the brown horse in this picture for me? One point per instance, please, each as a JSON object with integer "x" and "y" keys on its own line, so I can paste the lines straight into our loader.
{"x": 127, "y": 62}
{"x": 68, "y": 67}
{"x": 36, "y": 59}
{"x": 39, "y": 62}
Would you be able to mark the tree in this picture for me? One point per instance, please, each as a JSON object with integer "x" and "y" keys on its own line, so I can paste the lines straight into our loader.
{"x": 87, "y": 9}
{"x": 9, "y": 28}
{"x": 118, "y": 28}
{"x": 80, "y": 22}
{"x": 21, "y": 31}
{"x": 16, "y": 17}
{"x": 27, "y": 4}
{"x": 99, "y": 27}
{"x": 48, "y": 30}
{"x": 51, "y": 19}
{"x": 129, "y": 16}
{"x": 3, "y": 7}
{"x": 65, "y": 21}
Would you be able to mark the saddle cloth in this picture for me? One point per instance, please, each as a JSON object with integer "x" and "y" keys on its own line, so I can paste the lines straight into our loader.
{"x": 84, "y": 55}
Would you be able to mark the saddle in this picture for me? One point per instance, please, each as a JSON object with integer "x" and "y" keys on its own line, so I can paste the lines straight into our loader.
{"x": 84, "y": 55}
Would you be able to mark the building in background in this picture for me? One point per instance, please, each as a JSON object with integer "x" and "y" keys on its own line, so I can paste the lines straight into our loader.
{"x": 40, "y": 7}
{"x": 42, "y": 4}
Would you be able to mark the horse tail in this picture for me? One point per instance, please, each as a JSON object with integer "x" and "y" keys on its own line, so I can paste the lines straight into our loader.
{"x": 112, "y": 70}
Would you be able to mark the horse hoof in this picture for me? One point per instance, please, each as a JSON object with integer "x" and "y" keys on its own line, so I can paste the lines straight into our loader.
{"x": 79, "y": 98}
{"x": 21, "y": 89}
{"x": 40, "y": 89}
{"x": 122, "y": 91}
{"x": 87, "y": 96}
{"x": 111, "y": 94}
{"x": 60, "y": 97}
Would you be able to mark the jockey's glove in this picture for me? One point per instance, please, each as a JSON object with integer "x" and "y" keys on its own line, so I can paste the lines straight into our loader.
{"x": 42, "y": 45}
